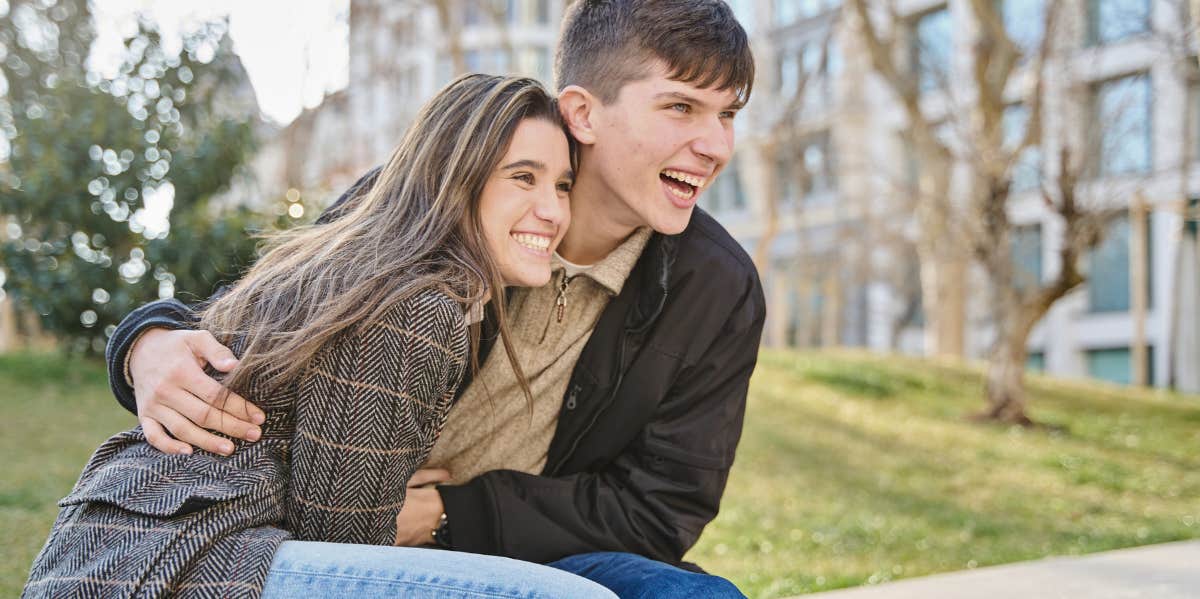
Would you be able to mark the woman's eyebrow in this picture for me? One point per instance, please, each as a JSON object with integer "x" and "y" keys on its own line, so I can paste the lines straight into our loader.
{"x": 526, "y": 163}
{"x": 567, "y": 174}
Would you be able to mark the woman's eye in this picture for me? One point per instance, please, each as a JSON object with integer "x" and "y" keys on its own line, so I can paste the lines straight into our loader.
{"x": 526, "y": 178}
{"x": 565, "y": 187}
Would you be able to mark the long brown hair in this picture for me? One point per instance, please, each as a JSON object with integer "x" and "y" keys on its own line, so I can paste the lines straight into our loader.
{"x": 416, "y": 227}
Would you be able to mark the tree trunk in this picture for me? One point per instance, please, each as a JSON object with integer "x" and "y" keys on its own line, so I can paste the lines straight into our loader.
{"x": 1006, "y": 380}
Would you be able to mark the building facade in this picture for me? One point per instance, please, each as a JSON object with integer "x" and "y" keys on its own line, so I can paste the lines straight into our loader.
{"x": 826, "y": 205}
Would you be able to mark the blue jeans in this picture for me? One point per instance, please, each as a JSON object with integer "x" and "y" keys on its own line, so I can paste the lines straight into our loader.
{"x": 316, "y": 570}
{"x": 635, "y": 577}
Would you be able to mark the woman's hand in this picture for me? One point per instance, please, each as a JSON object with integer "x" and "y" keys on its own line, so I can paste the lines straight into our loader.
{"x": 422, "y": 508}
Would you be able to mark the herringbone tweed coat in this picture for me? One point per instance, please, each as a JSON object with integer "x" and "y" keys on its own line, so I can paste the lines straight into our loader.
{"x": 336, "y": 453}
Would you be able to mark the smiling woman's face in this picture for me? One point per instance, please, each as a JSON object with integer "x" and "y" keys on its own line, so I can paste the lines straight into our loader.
{"x": 524, "y": 207}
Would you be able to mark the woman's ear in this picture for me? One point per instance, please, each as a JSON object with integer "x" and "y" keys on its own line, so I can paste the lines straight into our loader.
{"x": 576, "y": 105}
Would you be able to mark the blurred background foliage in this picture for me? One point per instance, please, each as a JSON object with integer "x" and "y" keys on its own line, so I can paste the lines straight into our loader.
{"x": 90, "y": 166}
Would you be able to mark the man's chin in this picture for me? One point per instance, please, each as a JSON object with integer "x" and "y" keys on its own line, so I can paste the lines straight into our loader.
{"x": 674, "y": 222}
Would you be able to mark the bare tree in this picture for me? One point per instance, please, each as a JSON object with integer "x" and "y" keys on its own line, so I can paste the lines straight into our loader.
{"x": 938, "y": 245}
{"x": 980, "y": 224}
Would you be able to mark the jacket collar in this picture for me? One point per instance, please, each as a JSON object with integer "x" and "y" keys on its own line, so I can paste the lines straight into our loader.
{"x": 654, "y": 272}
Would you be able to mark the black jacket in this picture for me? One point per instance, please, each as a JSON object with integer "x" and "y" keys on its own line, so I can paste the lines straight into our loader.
{"x": 649, "y": 423}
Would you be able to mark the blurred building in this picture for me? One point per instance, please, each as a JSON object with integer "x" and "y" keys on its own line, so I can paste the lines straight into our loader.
{"x": 401, "y": 53}
{"x": 824, "y": 139}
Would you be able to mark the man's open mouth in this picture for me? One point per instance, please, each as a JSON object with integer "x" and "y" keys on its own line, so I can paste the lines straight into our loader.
{"x": 681, "y": 184}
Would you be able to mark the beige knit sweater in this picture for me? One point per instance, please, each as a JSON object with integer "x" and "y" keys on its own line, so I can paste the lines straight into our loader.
{"x": 491, "y": 427}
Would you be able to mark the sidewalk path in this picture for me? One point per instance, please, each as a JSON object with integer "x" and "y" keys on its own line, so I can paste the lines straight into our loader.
{"x": 1167, "y": 571}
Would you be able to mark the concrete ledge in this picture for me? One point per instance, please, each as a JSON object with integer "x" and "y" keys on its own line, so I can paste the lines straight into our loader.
{"x": 1167, "y": 571}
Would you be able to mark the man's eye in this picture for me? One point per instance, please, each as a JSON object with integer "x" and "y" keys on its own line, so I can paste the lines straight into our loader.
{"x": 728, "y": 114}
{"x": 681, "y": 107}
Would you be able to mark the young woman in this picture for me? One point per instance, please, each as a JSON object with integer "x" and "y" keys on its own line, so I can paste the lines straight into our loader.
{"x": 354, "y": 334}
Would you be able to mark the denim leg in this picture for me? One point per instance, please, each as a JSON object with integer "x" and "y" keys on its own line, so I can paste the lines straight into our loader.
{"x": 311, "y": 570}
{"x": 635, "y": 577}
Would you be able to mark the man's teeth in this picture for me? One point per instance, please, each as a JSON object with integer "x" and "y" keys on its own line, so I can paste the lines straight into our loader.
{"x": 686, "y": 195}
{"x": 692, "y": 180}
{"x": 537, "y": 243}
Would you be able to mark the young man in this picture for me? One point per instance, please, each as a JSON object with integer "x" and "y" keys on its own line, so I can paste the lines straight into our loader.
{"x": 638, "y": 354}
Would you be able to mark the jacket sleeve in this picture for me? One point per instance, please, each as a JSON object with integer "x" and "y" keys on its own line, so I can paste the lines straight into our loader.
{"x": 173, "y": 314}
{"x": 165, "y": 314}
{"x": 367, "y": 414}
{"x": 655, "y": 498}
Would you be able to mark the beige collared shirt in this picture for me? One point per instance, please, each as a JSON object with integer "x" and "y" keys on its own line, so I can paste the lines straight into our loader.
{"x": 492, "y": 426}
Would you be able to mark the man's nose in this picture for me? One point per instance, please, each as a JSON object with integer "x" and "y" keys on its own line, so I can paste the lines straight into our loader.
{"x": 715, "y": 141}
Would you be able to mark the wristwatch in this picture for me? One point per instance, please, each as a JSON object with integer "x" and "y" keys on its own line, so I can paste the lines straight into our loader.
{"x": 441, "y": 533}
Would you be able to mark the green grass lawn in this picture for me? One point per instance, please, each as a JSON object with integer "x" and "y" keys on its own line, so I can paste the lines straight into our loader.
{"x": 853, "y": 469}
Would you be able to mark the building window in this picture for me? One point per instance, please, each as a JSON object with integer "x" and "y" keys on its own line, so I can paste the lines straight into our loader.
{"x": 1027, "y": 256}
{"x": 473, "y": 13}
{"x": 806, "y": 310}
{"x": 1194, "y": 114}
{"x": 808, "y": 170}
{"x": 1114, "y": 20}
{"x": 1192, "y": 219}
{"x": 1035, "y": 361}
{"x": 1122, "y": 108}
{"x": 788, "y": 74}
{"x": 803, "y": 69}
{"x": 932, "y": 47}
{"x": 1116, "y": 365}
{"x": 787, "y": 12}
{"x": 726, "y": 193}
{"x": 473, "y": 61}
{"x": 1025, "y": 22}
{"x": 545, "y": 66}
{"x": 1108, "y": 270}
{"x": 1027, "y": 167}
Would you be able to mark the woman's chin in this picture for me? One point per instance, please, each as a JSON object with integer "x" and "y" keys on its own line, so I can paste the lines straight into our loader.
{"x": 529, "y": 277}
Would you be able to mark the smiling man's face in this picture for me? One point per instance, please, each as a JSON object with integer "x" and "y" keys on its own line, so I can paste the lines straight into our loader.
{"x": 660, "y": 145}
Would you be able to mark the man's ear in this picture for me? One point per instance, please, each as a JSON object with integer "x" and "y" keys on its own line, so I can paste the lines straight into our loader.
{"x": 576, "y": 105}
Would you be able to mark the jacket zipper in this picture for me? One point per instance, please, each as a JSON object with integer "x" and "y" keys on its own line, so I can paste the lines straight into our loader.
{"x": 596, "y": 415}
{"x": 560, "y": 304}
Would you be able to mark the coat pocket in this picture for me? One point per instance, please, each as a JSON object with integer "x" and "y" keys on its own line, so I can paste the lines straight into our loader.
{"x": 128, "y": 473}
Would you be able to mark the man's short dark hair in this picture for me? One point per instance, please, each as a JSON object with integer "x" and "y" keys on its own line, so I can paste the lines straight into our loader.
{"x": 606, "y": 44}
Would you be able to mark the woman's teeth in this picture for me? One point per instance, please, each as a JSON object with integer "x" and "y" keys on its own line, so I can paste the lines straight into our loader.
{"x": 537, "y": 243}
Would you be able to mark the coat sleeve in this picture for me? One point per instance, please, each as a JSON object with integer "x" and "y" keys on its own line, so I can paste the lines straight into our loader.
{"x": 654, "y": 498}
{"x": 173, "y": 314}
{"x": 367, "y": 415}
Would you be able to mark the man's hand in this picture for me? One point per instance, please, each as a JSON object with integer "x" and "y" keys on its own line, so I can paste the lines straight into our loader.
{"x": 174, "y": 394}
{"x": 422, "y": 508}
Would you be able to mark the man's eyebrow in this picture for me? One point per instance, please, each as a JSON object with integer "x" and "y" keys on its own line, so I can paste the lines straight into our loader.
{"x": 682, "y": 97}
{"x": 678, "y": 96}
{"x": 526, "y": 163}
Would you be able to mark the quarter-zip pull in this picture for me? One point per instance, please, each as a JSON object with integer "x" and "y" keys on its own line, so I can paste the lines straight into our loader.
{"x": 561, "y": 303}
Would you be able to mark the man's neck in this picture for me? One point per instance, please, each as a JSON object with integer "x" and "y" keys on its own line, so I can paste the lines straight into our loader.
{"x": 599, "y": 222}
